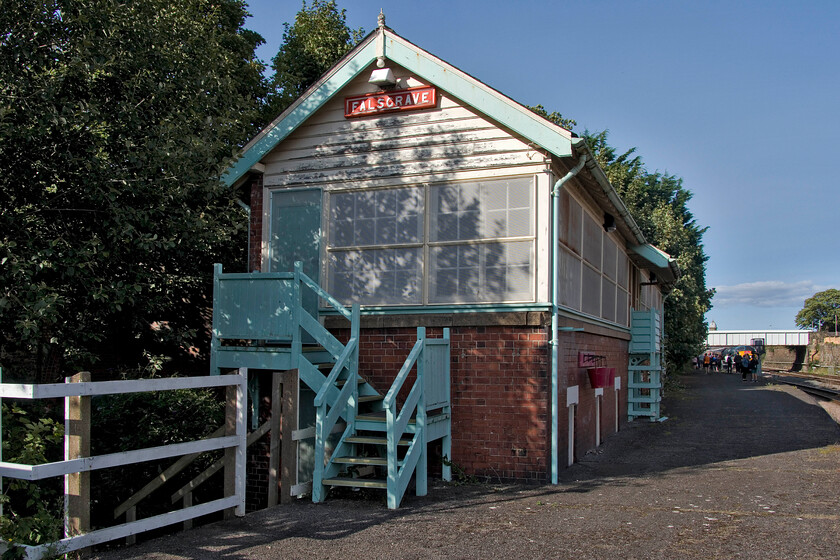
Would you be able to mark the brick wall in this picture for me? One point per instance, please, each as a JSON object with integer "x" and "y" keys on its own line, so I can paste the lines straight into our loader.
{"x": 615, "y": 352}
{"x": 255, "y": 229}
{"x": 500, "y": 382}
{"x": 500, "y": 379}
{"x": 258, "y": 454}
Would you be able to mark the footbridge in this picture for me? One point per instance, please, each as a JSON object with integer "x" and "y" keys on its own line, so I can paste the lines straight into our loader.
{"x": 786, "y": 349}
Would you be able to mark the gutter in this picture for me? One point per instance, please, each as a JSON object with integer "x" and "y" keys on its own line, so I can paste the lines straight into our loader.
{"x": 602, "y": 180}
{"x": 650, "y": 253}
{"x": 555, "y": 311}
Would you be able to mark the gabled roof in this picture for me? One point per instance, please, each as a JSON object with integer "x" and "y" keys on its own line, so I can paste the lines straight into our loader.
{"x": 384, "y": 42}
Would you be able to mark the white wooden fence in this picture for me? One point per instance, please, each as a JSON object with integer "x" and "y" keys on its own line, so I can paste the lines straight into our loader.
{"x": 234, "y": 443}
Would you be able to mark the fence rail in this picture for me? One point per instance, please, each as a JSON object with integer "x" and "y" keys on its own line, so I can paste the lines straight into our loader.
{"x": 234, "y": 444}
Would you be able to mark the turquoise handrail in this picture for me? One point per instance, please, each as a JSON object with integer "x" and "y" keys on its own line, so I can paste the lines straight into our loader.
{"x": 340, "y": 364}
{"x": 391, "y": 396}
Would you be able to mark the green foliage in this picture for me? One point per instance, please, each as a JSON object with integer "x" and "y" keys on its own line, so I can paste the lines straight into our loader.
{"x": 166, "y": 417}
{"x": 139, "y": 420}
{"x": 820, "y": 311}
{"x": 554, "y": 117}
{"x": 659, "y": 204}
{"x": 317, "y": 40}
{"x": 32, "y": 511}
{"x": 116, "y": 120}
{"x": 460, "y": 477}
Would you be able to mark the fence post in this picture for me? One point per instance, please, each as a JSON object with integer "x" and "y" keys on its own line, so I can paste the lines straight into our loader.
{"x": 288, "y": 455}
{"x": 230, "y": 452}
{"x": 242, "y": 434}
{"x": 188, "y": 502}
{"x": 77, "y": 445}
{"x": 131, "y": 515}
{"x": 1, "y": 442}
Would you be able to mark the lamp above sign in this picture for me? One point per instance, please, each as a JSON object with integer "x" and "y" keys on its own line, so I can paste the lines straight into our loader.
{"x": 388, "y": 101}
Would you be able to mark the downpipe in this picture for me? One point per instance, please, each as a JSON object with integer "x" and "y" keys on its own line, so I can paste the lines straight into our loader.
{"x": 555, "y": 298}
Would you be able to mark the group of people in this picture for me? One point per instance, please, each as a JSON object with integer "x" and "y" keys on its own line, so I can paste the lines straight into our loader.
{"x": 745, "y": 363}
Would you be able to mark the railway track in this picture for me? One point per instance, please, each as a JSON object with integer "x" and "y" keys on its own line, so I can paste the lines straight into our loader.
{"x": 806, "y": 384}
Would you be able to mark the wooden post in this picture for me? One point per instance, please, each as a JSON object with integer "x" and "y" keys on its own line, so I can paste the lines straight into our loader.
{"x": 230, "y": 452}
{"x": 76, "y": 446}
{"x": 131, "y": 515}
{"x": 1, "y": 442}
{"x": 288, "y": 458}
{"x": 599, "y": 395}
{"x": 276, "y": 438}
{"x": 188, "y": 502}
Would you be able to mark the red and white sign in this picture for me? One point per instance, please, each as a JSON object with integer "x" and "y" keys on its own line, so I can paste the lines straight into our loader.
{"x": 385, "y": 102}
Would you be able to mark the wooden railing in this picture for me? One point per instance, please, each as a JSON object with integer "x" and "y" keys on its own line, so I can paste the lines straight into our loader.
{"x": 429, "y": 392}
{"x": 232, "y": 440}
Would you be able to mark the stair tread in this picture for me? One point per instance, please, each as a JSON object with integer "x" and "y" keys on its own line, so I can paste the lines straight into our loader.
{"x": 341, "y": 382}
{"x": 356, "y": 482}
{"x": 375, "y": 440}
{"x": 361, "y": 460}
{"x": 370, "y": 398}
{"x": 376, "y": 417}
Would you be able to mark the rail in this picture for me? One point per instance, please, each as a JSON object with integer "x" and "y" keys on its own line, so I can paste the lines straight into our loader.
{"x": 233, "y": 444}
{"x": 430, "y": 391}
{"x": 344, "y": 404}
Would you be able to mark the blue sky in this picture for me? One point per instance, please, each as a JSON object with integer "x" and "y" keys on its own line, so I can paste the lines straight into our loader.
{"x": 740, "y": 99}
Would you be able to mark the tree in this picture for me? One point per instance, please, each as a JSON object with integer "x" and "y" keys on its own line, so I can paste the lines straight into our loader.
{"x": 659, "y": 204}
{"x": 554, "y": 117}
{"x": 820, "y": 311}
{"x": 116, "y": 120}
{"x": 317, "y": 40}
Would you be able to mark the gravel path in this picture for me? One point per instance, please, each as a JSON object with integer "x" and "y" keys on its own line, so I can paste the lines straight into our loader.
{"x": 738, "y": 470}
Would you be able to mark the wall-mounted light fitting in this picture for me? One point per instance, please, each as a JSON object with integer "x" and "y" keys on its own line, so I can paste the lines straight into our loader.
{"x": 654, "y": 281}
{"x": 382, "y": 77}
{"x": 609, "y": 223}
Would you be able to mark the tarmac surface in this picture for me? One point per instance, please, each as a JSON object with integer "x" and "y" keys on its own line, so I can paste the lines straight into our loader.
{"x": 738, "y": 470}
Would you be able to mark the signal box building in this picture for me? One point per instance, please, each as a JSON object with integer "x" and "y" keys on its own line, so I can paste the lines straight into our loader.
{"x": 411, "y": 188}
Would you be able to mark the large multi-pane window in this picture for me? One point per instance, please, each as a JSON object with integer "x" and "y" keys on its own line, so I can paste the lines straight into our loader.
{"x": 594, "y": 271}
{"x": 376, "y": 246}
{"x": 481, "y": 238}
{"x": 476, "y": 246}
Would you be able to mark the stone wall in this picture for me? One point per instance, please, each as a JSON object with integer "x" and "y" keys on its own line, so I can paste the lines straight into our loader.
{"x": 824, "y": 349}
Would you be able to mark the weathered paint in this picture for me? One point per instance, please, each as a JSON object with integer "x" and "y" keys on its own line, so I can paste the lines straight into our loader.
{"x": 417, "y": 61}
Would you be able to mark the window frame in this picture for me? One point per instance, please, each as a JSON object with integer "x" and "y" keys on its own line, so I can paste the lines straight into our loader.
{"x": 615, "y": 276}
{"x": 427, "y": 246}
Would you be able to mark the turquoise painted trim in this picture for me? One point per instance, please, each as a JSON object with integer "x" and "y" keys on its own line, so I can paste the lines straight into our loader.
{"x": 448, "y": 309}
{"x": 440, "y": 74}
{"x": 478, "y": 95}
{"x": 311, "y": 103}
{"x": 592, "y": 320}
{"x": 652, "y": 255}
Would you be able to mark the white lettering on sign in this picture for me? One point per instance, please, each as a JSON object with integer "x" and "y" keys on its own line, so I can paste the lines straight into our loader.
{"x": 383, "y": 102}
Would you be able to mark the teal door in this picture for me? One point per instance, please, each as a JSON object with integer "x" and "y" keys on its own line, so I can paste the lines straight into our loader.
{"x": 296, "y": 236}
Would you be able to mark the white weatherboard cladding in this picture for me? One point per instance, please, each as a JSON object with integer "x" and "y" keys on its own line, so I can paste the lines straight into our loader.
{"x": 426, "y": 147}
{"x": 448, "y": 143}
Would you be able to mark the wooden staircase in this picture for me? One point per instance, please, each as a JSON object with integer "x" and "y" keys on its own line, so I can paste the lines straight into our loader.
{"x": 362, "y": 438}
{"x": 384, "y": 442}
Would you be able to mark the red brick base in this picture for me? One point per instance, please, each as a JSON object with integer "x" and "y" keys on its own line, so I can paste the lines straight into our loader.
{"x": 500, "y": 375}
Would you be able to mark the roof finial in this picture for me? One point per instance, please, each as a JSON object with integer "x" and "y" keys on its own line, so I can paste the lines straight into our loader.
{"x": 380, "y": 41}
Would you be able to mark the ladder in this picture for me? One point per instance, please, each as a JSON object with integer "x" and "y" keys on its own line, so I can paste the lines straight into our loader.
{"x": 644, "y": 376}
